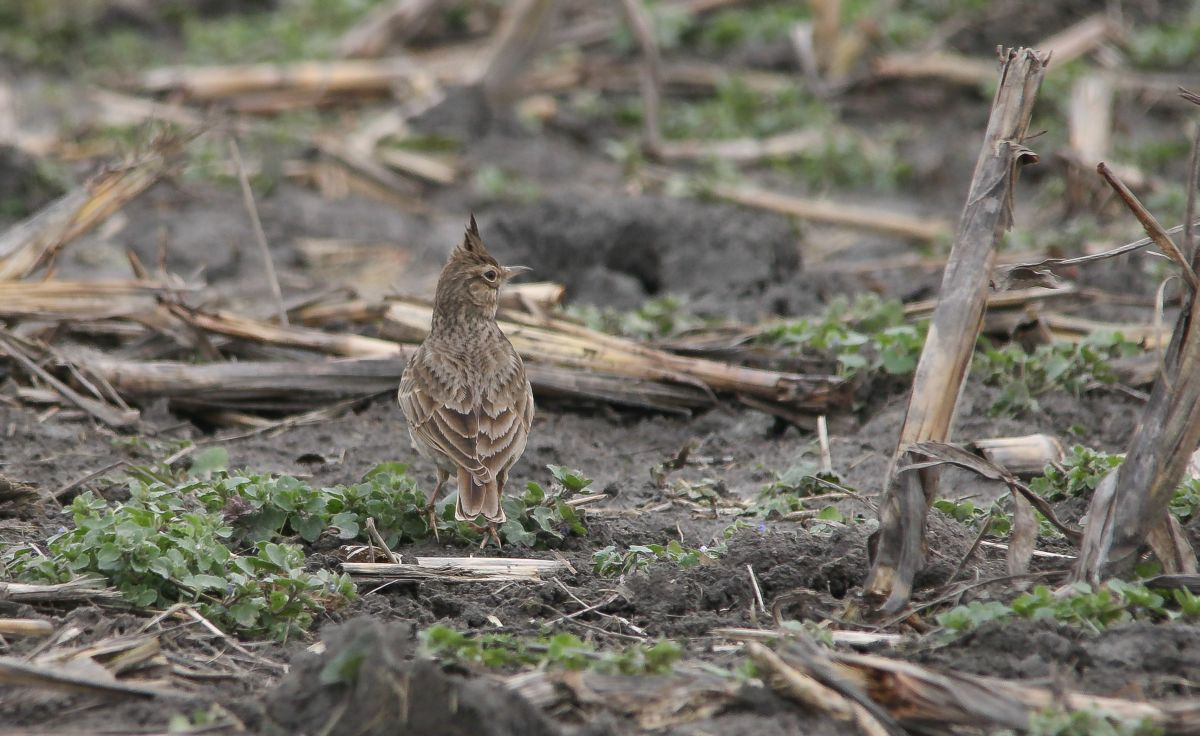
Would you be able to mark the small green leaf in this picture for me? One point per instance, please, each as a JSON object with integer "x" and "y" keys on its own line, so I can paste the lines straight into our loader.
{"x": 348, "y": 523}
{"x": 277, "y": 554}
{"x": 201, "y": 582}
{"x": 513, "y": 533}
{"x": 831, "y": 513}
{"x": 534, "y": 493}
{"x": 244, "y": 613}
{"x": 343, "y": 668}
{"x": 572, "y": 480}
{"x": 209, "y": 461}
{"x": 381, "y": 469}
{"x": 308, "y": 527}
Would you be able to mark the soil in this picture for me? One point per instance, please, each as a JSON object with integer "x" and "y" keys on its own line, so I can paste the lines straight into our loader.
{"x": 610, "y": 248}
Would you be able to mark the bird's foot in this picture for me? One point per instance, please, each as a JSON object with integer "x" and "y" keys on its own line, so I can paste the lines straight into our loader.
{"x": 493, "y": 534}
{"x": 432, "y": 520}
{"x": 489, "y": 533}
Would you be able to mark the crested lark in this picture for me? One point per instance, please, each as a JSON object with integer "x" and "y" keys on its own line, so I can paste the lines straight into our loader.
{"x": 464, "y": 393}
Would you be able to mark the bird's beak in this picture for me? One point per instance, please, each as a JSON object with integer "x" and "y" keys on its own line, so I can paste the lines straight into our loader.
{"x": 510, "y": 271}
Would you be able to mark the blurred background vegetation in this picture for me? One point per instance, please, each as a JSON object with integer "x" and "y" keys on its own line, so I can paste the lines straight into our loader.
{"x": 887, "y": 138}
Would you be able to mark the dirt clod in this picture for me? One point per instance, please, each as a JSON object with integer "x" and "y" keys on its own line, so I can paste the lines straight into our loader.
{"x": 619, "y": 251}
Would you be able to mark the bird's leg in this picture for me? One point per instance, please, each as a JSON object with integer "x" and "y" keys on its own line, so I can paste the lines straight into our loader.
{"x": 492, "y": 533}
{"x": 431, "y": 505}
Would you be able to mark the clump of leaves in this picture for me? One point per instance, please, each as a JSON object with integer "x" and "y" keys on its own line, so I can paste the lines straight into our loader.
{"x": 711, "y": 492}
{"x": 197, "y": 721}
{"x": 968, "y": 512}
{"x": 562, "y": 650}
{"x": 262, "y": 506}
{"x": 998, "y": 516}
{"x": 162, "y": 547}
{"x": 1185, "y": 503}
{"x": 844, "y": 158}
{"x": 612, "y": 561}
{"x": 735, "y": 27}
{"x": 499, "y": 185}
{"x": 663, "y": 316}
{"x": 1072, "y": 367}
{"x": 738, "y": 110}
{"x": 847, "y": 159}
{"x": 1174, "y": 45}
{"x": 1088, "y": 723}
{"x": 542, "y": 516}
{"x": 61, "y": 33}
{"x": 970, "y": 616}
{"x": 222, "y": 540}
{"x": 867, "y": 335}
{"x": 670, "y": 24}
{"x": 1078, "y": 475}
{"x": 1115, "y": 602}
{"x": 791, "y": 489}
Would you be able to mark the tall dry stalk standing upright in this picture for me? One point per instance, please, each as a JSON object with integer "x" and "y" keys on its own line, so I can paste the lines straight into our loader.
{"x": 953, "y": 330}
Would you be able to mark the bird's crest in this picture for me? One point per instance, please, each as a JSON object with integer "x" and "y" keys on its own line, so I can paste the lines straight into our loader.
{"x": 472, "y": 241}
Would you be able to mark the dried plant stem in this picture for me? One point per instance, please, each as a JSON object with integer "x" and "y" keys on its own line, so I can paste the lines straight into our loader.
{"x": 642, "y": 26}
{"x": 515, "y": 46}
{"x": 953, "y": 332}
{"x": 395, "y": 22}
{"x": 1130, "y": 507}
{"x": 1154, "y": 230}
{"x": 259, "y": 235}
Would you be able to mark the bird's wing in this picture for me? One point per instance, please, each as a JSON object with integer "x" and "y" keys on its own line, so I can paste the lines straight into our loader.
{"x": 504, "y": 417}
{"x": 441, "y": 416}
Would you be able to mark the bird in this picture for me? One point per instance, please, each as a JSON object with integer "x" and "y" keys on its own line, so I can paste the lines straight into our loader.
{"x": 464, "y": 393}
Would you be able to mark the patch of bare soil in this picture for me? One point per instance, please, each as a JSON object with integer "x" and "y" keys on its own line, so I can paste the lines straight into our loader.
{"x": 1137, "y": 660}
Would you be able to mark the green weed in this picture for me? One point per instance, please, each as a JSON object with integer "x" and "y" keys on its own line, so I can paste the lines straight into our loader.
{"x": 1088, "y": 723}
{"x": 1072, "y": 367}
{"x": 268, "y": 505}
{"x": 740, "y": 26}
{"x": 791, "y": 489}
{"x": 499, "y": 185}
{"x": 1076, "y": 476}
{"x": 611, "y": 561}
{"x": 162, "y": 547}
{"x": 869, "y": 334}
{"x": 736, "y": 110}
{"x": 225, "y": 541}
{"x": 1115, "y": 602}
{"x": 1081, "y": 471}
{"x": 61, "y": 34}
{"x": 562, "y": 651}
{"x": 657, "y": 318}
{"x": 1172, "y": 45}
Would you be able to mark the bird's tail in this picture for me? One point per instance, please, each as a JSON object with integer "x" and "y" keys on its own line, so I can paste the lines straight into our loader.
{"x": 475, "y": 498}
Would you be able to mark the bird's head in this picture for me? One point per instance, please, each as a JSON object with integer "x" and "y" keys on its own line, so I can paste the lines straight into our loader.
{"x": 470, "y": 282}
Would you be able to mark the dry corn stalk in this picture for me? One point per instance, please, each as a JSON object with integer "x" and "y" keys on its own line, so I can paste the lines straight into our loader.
{"x": 1026, "y": 455}
{"x": 953, "y": 332}
{"x": 395, "y": 22}
{"x": 559, "y": 342}
{"x": 1130, "y": 507}
{"x": 344, "y": 77}
{"x": 78, "y": 300}
{"x": 562, "y": 357}
{"x": 36, "y": 241}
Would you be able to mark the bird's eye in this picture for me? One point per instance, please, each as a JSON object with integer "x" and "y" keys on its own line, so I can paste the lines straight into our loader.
{"x": 489, "y": 275}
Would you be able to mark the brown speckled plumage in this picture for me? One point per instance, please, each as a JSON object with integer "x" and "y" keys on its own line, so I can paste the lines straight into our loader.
{"x": 464, "y": 393}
